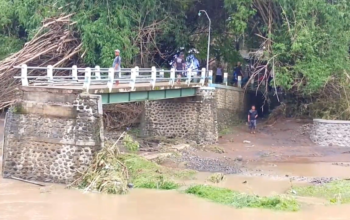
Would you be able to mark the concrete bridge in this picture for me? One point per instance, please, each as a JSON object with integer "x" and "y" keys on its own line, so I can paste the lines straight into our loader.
{"x": 55, "y": 130}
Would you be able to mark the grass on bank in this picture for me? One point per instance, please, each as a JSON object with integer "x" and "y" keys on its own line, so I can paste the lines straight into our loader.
{"x": 147, "y": 174}
{"x": 242, "y": 200}
{"x": 336, "y": 192}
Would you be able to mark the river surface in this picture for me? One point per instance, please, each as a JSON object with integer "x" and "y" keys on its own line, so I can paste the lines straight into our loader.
{"x": 23, "y": 201}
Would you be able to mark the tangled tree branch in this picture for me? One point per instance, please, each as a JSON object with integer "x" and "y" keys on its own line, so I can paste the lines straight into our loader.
{"x": 119, "y": 116}
{"x": 54, "y": 44}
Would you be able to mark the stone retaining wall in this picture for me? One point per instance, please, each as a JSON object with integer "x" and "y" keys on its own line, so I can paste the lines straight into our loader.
{"x": 231, "y": 106}
{"x": 52, "y": 136}
{"x": 331, "y": 133}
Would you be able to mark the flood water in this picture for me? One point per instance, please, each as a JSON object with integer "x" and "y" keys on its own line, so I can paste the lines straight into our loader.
{"x": 23, "y": 201}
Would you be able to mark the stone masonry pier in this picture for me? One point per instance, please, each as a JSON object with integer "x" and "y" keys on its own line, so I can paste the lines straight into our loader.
{"x": 51, "y": 135}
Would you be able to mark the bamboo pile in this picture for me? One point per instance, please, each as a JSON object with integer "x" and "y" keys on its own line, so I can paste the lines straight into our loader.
{"x": 107, "y": 173}
{"x": 54, "y": 44}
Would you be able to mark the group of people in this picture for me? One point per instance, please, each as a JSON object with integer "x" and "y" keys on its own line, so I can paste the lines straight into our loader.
{"x": 236, "y": 73}
{"x": 245, "y": 75}
{"x": 180, "y": 66}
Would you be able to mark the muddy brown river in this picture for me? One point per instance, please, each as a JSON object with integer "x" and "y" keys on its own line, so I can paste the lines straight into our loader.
{"x": 23, "y": 201}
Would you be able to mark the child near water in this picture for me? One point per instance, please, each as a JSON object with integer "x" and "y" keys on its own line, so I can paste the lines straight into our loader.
{"x": 252, "y": 116}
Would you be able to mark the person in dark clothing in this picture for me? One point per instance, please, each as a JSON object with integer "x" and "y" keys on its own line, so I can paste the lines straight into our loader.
{"x": 252, "y": 116}
{"x": 218, "y": 77}
{"x": 236, "y": 73}
{"x": 180, "y": 65}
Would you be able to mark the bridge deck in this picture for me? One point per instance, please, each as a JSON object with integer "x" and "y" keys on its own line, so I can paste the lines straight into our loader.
{"x": 101, "y": 89}
{"x": 123, "y": 93}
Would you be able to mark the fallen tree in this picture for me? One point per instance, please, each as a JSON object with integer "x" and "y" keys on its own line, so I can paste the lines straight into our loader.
{"x": 55, "y": 43}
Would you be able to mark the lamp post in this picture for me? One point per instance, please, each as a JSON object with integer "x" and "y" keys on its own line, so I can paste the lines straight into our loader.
{"x": 199, "y": 14}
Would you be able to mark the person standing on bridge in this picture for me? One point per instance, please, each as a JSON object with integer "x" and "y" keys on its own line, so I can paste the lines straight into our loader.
{"x": 180, "y": 65}
{"x": 117, "y": 64}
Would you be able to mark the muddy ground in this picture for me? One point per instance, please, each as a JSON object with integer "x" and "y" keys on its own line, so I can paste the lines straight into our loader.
{"x": 277, "y": 147}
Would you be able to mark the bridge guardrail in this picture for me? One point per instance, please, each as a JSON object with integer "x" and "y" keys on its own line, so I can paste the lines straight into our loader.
{"x": 108, "y": 76}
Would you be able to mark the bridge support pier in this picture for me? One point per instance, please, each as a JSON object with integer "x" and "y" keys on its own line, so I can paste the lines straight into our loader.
{"x": 52, "y": 135}
{"x": 192, "y": 118}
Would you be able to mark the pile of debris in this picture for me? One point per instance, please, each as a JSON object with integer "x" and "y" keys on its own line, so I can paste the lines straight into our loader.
{"x": 107, "y": 174}
{"x": 55, "y": 43}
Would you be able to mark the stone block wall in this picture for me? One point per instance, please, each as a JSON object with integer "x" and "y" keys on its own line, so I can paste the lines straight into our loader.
{"x": 52, "y": 135}
{"x": 190, "y": 118}
{"x": 231, "y": 106}
{"x": 331, "y": 133}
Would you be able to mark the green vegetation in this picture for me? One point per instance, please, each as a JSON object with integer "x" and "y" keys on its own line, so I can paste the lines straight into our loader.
{"x": 241, "y": 200}
{"x": 225, "y": 131}
{"x": 306, "y": 42}
{"x": 336, "y": 192}
{"x": 130, "y": 143}
{"x": 147, "y": 174}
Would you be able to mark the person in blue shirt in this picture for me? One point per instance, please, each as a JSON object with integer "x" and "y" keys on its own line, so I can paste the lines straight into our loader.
{"x": 252, "y": 116}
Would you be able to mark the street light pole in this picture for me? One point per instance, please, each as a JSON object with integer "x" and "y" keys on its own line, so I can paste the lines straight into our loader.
{"x": 208, "y": 50}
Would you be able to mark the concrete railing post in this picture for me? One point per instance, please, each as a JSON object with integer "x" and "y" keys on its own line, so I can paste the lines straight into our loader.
{"x": 75, "y": 72}
{"x": 24, "y": 75}
{"x": 210, "y": 80}
{"x": 172, "y": 77}
{"x": 133, "y": 78}
{"x": 161, "y": 73}
{"x": 203, "y": 76}
{"x": 87, "y": 79}
{"x": 97, "y": 73}
{"x": 110, "y": 79}
{"x": 153, "y": 76}
{"x": 189, "y": 76}
{"x": 137, "y": 71}
{"x": 239, "y": 82}
{"x": 225, "y": 78}
{"x": 50, "y": 72}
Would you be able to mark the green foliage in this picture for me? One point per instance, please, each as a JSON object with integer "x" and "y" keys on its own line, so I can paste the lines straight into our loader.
{"x": 241, "y": 200}
{"x": 147, "y": 174}
{"x": 335, "y": 192}
{"x": 310, "y": 38}
{"x": 103, "y": 25}
{"x": 130, "y": 143}
{"x": 9, "y": 45}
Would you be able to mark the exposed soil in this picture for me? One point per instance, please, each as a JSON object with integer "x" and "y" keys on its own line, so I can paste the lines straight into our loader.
{"x": 283, "y": 144}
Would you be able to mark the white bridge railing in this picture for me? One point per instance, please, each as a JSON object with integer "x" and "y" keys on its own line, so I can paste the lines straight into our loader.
{"x": 86, "y": 77}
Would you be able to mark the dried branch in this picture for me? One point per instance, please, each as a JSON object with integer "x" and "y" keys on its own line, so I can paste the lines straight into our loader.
{"x": 54, "y": 44}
